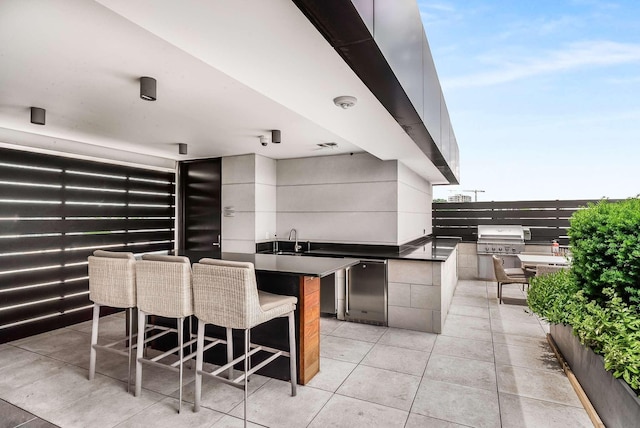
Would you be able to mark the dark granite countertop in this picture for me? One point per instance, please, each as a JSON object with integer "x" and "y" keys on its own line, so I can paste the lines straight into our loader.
{"x": 427, "y": 249}
{"x": 291, "y": 265}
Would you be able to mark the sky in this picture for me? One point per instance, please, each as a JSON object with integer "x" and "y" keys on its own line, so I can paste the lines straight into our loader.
{"x": 544, "y": 96}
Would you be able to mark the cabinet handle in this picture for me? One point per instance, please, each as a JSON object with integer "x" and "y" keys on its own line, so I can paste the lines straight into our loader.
{"x": 217, "y": 244}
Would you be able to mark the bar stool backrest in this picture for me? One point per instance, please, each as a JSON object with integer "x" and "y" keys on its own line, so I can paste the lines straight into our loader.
{"x": 225, "y": 293}
{"x": 112, "y": 279}
{"x": 164, "y": 285}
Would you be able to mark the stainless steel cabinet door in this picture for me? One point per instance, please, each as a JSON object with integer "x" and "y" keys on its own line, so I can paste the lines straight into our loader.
{"x": 367, "y": 292}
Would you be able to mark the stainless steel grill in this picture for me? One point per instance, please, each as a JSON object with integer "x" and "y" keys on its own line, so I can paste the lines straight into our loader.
{"x": 507, "y": 239}
{"x": 504, "y": 241}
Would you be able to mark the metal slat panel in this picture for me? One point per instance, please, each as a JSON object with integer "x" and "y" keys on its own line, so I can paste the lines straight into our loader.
{"x": 108, "y": 183}
{"x": 99, "y": 240}
{"x": 549, "y": 222}
{"x": 44, "y": 325}
{"x": 36, "y": 286}
{"x": 47, "y": 207}
{"x": 22, "y": 296}
{"x": 20, "y": 226}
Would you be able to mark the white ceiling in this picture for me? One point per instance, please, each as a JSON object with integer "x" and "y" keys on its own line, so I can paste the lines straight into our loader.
{"x": 227, "y": 71}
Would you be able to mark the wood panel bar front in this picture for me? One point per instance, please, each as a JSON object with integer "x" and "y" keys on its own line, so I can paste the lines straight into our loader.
{"x": 309, "y": 362}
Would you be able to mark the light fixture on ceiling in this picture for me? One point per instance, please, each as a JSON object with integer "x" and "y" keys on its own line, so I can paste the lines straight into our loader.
{"x": 182, "y": 148}
{"x": 38, "y": 115}
{"x": 345, "y": 101}
{"x": 148, "y": 88}
{"x": 263, "y": 140}
{"x": 276, "y": 136}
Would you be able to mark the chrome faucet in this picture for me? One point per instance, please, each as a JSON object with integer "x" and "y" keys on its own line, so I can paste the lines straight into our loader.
{"x": 296, "y": 247}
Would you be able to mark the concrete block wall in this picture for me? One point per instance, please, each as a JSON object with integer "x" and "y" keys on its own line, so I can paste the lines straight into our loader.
{"x": 467, "y": 260}
{"x": 448, "y": 281}
{"x": 414, "y": 294}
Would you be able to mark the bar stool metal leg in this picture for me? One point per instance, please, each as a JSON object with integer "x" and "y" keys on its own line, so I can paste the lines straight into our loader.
{"x": 230, "y": 351}
{"x": 292, "y": 353}
{"x": 94, "y": 341}
{"x": 247, "y": 348}
{"x": 142, "y": 321}
{"x": 199, "y": 359}
{"x": 129, "y": 348}
{"x": 180, "y": 322}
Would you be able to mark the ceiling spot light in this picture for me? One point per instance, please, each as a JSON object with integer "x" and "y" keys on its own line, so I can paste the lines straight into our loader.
{"x": 148, "y": 88}
{"x": 345, "y": 101}
{"x": 276, "y": 136}
{"x": 182, "y": 148}
{"x": 38, "y": 115}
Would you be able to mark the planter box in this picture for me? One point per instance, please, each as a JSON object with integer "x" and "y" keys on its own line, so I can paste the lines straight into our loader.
{"x": 616, "y": 403}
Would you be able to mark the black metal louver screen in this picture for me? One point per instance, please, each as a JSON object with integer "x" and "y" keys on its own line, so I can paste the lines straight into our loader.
{"x": 54, "y": 212}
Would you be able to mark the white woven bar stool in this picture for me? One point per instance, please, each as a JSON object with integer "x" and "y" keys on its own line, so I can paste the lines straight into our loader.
{"x": 164, "y": 289}
{"x": 225, "y": 294}
{"x": 112, "y": 282}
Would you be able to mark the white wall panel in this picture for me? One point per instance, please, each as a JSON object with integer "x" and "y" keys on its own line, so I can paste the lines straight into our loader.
{"x": 265, "y": 226}
{"x": 240, "y": 226}
{"x": 345, "y": 227}
{"x": 407, "y": 176}
{"x": 412, "y": 226}
{"x": 265, "y": 197}
{"x": 239, "y": 196}
{"x": 238, "y": 169}
{"x": 378, "y": 196}
{"x": 357, "y": 168}
{"x": 238, "y": 246}
{"x": 265, "y": 170}
{"x": 412, "y": 200}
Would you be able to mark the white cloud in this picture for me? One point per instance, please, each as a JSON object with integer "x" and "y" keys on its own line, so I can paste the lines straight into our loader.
{"x": 575, "y": 56}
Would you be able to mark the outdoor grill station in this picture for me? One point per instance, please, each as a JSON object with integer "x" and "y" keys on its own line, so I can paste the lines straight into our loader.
{"x": 504, "y": 241}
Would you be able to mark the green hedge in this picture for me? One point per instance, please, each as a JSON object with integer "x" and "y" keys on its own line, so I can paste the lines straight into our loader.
{"x": 605, "y": 247}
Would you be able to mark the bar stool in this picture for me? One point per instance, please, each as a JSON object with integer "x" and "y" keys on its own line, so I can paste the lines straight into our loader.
{"x": 112, "y": 282}
{"x": 225, "y": 294}
{"x": 164, "y": 289}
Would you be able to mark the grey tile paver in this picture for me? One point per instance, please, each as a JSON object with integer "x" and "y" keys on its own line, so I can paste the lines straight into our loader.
{"x": 540, "y": 384}
{"x": 397, "y": 359}
{"x": 457, "y": 403}
{"x": 462, "y": 371}
{"x": 520, "y": 411}
{"x": 474, "y": 349}
{"x": 347, "y": 412}
{"x": 490, "y": 367}
{"x": 381, "y": 386}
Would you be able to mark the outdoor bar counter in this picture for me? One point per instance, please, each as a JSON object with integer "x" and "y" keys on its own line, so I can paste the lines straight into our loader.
{"x": 286, "y": 275}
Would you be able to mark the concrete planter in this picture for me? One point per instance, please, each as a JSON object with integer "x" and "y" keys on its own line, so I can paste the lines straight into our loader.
{"x": 616, "y": 403}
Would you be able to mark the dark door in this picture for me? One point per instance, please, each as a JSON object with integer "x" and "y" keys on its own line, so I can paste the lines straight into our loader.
{"x": 200, "y": 205}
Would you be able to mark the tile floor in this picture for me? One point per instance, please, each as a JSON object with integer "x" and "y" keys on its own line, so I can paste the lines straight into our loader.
{"x": 491, "y": 367}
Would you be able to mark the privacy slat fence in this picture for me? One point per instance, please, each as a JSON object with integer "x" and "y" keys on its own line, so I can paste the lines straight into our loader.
{"x": 54, "y": 212}
{"x": 547, "y": 220}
